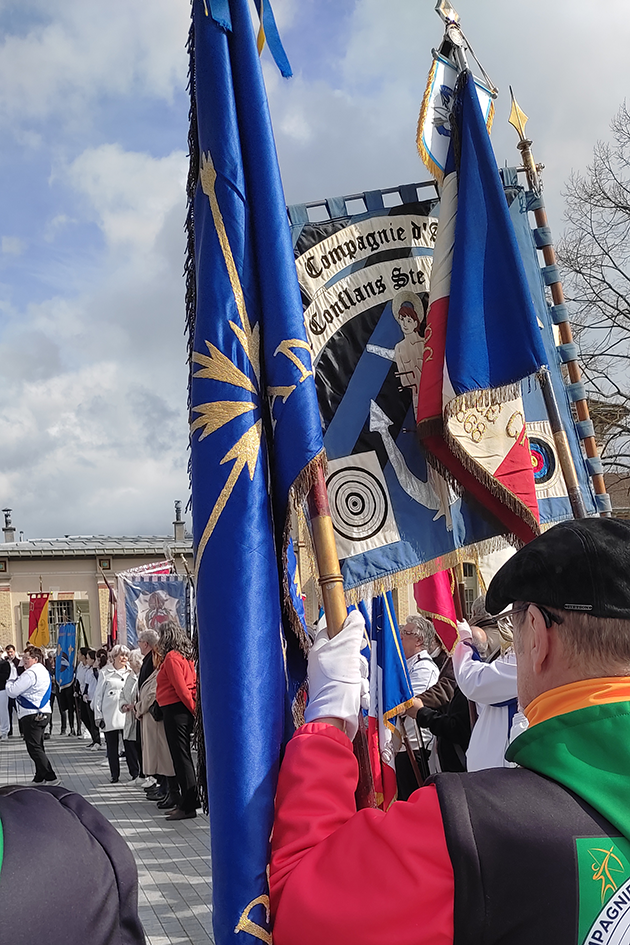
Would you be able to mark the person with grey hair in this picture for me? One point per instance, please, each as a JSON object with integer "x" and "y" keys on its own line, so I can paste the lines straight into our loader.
{"x": 485, "y": 671}
{"x": 417, "y": 636}
{"x": 147, "y": 642}
{"x": 106, "y": 705}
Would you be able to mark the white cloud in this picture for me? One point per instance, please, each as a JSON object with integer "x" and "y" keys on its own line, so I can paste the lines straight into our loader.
{"x": 81, "y": 50}
{"x": 130, "y": 193}
{"x": 93, "y": 399}
{"x": 12, "y": 245}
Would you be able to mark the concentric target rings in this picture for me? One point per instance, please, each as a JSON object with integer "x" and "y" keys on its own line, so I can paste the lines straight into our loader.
{"x": 358, "y": 503}
{"x": 543, "y": 460}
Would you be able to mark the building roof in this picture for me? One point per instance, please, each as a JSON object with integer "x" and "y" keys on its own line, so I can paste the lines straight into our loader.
{"x": 90, "y": 546}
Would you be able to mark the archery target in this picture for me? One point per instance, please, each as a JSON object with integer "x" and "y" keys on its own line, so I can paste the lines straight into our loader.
{"x": 543, "y": 460}
{"x": 547, "y": 473}
{"x": 360, "y": 506}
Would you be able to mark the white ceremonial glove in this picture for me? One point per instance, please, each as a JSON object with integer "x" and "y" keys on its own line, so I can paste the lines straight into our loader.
{"x": 336, "y": 678}
{"x": 464, "y": 631}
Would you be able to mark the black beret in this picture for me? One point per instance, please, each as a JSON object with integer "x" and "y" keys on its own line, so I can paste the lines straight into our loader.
{"x": 581, "y": 565}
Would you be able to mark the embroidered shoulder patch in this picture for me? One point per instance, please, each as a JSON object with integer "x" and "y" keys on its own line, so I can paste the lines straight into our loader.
{"x": 604, "y": 890}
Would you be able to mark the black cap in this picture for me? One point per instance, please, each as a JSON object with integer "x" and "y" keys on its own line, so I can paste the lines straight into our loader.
{"x": 581, "y": 566}
{"x": 93, "y": 894}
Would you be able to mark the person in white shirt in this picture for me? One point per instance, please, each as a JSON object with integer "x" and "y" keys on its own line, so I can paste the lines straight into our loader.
{"x": 31, "y": 692}
{"x": 417, "y": 637}
{"x": 79, "y": 689}
{"x": 490, "y": 685}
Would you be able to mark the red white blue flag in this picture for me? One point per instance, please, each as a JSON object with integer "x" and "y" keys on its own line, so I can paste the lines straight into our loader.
{"x": 482, "y": 335}
{"x": 390, "y": 695}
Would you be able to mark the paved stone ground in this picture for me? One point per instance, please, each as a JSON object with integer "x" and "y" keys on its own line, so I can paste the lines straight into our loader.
{"x": 175, "y": 885}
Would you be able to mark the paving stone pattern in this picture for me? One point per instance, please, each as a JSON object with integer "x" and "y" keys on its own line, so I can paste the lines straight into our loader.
{"x": 175, "y": 884}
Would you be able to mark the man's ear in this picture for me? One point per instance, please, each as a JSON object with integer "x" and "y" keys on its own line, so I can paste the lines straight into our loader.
{"x": 540, "y": 639}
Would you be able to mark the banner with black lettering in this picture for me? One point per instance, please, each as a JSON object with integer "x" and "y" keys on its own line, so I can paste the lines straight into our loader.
{"x": 365, "y": 278}
{"x": 365, "y": 281}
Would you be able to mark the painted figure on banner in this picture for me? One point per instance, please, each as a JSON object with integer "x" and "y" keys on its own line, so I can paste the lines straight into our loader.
{"x": 409, "y": 309}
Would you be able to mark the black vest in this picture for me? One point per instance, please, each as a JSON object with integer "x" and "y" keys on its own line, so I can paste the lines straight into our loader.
{"x": 511, "y": 836}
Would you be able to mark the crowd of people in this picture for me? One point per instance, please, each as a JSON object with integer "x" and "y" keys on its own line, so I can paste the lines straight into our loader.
{"x": 135, "y": 704}
{"x": 518, "y": 848}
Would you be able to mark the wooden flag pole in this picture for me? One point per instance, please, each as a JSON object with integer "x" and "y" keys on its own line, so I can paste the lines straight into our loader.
{"x": 561, "y": 442}
{"x": 331, "y": 583}
{"x": 330, "y": 579}
{"x": 542, "y": 235}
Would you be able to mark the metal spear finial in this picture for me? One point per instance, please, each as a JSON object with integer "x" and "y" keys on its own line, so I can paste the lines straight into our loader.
{"x": 518, "y": 119}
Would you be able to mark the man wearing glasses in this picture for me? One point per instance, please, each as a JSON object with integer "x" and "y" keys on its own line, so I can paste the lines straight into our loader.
{"x": 537, "y": 853}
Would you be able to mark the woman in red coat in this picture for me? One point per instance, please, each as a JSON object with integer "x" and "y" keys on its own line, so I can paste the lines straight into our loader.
{"x": 176, "y": 685}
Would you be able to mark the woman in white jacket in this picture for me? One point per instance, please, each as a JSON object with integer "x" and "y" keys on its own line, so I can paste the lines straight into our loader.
{"x": 106, "y": 704}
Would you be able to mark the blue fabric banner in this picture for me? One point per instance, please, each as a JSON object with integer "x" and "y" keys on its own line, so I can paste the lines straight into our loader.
{"x": 492, "y": 336}
{"x": 395, "y": 520}
{"x": 66, "y": 655}
{"x": 365, "y": 280}
{"x": 255, "y": 441}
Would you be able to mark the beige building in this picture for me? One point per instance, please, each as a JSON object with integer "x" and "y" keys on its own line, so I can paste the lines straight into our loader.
{"x": 75, "y": 571}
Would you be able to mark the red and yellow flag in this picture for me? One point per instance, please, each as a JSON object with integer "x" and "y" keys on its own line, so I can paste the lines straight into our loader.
{"x": 38, "y": 633}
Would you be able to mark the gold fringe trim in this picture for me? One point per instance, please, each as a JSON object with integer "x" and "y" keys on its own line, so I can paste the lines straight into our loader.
{"x": 397, "y": 710}
{"x": 396, "y": 579}
{"x": 490, "y": 118}
{"x": 425, "y": 157}
{"x": 482, "y": 399}
{"x": 297, "y": 496}
{"x": 431, "y": 616}
{"x": 309, "y": 559}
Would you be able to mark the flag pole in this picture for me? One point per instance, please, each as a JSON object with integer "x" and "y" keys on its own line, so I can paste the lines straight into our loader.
{"x": 567, "y": 347}
{"x": 331, "y": 583}
{"x": 330, "y": 578}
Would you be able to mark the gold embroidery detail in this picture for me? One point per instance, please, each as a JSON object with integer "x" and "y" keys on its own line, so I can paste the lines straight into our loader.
{"x": 219, "y": 368}
{"x": 515, "y": 425}
{"x": 244, "y": 453}
{"x": 284, "y": 392}
{"x": 248, "y": 336}
{"x": 245, "y": 924}
{"x": 215, "y": 415}
{"x": 602, "y": 870}
{"x": 286, "y": 348}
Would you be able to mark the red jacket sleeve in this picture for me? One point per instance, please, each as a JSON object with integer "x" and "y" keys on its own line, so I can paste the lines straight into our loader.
{"x": 339, "y": 876}
{"x": 181, "y": 675}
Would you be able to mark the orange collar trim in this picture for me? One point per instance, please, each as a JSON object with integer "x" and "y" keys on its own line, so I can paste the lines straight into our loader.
{"x": 578, "y": 695}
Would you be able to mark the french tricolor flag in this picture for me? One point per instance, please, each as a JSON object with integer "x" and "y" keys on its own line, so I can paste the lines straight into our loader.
{"x": 482, "y": 335}
{"x": 390, "y": 696}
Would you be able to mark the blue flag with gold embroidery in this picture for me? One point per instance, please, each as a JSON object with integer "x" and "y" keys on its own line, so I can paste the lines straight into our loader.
{"x": 256, "y": 443}
{"x": 66, "y": 654}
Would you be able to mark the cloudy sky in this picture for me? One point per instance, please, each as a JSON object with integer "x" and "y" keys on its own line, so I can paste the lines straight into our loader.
{"x": 93, "y": 123}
